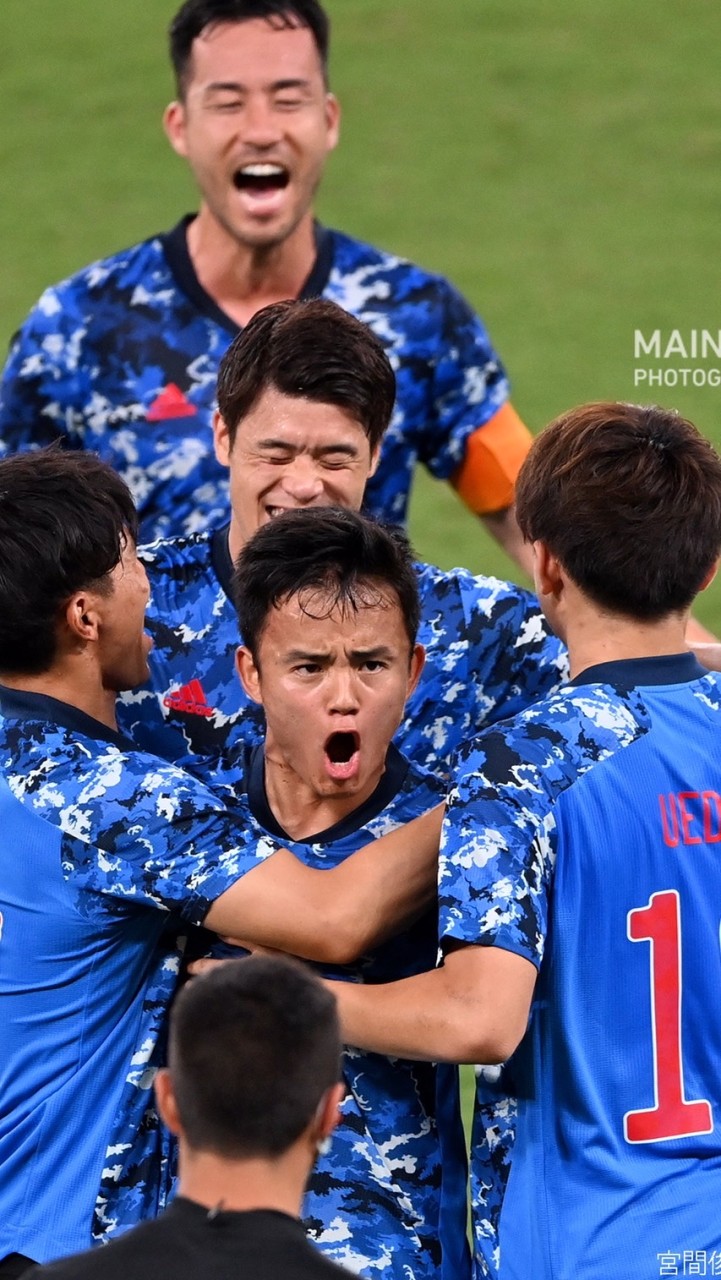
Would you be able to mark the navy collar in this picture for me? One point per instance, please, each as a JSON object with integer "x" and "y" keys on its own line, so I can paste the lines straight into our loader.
{"x": 18, "y": 704}
{"x": 392, "y": 780}
{"x": 630, "y": 673}
{"x": 175, "y": 248}
{"x": 221, "y": 558}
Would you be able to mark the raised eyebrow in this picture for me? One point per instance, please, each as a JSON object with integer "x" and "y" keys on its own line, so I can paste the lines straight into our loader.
{"x": 302, "y": 655}
{"x": 234, "y": 86}
{"x": 371, "y": 655}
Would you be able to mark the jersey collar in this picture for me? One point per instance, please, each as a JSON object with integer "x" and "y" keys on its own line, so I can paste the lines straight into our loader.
{"x": 628, "y": 673}
{"x": 175, "y": 248}
{"x": 18, "y": 704}
{"x": 392, "y": 780}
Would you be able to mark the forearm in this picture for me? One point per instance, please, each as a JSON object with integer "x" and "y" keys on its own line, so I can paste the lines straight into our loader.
{"x": 333, "y": 916}
{"x": 502, "y": 526}
{"x": 473, "y": 1009}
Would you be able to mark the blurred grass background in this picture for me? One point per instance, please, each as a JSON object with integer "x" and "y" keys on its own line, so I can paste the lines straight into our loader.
{"x": 558, "y": 161}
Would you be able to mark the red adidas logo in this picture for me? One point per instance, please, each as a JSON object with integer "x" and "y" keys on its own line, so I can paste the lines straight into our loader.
{"x": 189, "y": 698}
{"x": 171, "y": 403}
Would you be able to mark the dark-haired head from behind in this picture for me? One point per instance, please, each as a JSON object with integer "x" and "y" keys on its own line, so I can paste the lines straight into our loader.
{"x": 326, "y": 557}
{"x": 197, "y": 16}
{"x": 65, "y": 518}
{"x": 254, "y": 1048}
{"x": 628, "y": 499}
{"x": 311, "y": 350}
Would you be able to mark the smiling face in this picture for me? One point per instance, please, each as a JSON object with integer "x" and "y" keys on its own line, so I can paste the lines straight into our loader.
{"x": 255, "y": 126}
{"x": 333, "y": 682}
{"x": 289, "y": 452}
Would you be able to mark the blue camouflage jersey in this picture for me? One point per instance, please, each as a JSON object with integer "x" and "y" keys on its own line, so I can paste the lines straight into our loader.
{"x": 376, "y": 1203}
{"x": 123, "y": 357}
{"x": 489, "y": 653}
{"x": 108, "y": 856}
{"x": 584, "y": 836}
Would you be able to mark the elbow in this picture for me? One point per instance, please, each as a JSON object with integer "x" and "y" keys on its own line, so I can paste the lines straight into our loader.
{"x": 340, "y": 938}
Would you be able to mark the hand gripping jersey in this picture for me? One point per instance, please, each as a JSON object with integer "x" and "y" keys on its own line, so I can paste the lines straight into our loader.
{"x": 584, "y": 835}
{"x": 488, "y": 654}
{"x": 376, "y": 1203}
{"x": 123, "y": 357}
{"x": 108, "y": 856}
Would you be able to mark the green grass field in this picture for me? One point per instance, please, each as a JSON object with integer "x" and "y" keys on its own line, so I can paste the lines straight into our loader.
{"x": 559, "y": 161}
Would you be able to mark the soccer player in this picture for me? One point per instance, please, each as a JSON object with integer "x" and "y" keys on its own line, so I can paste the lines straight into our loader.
{"x": 579, "y": 889}
{"x": 328, "y": 607}
{"x": 109, "y": 856}
{"x": 123, "y": 357}
{"x": 305, "y": 394}
{"x": 251, "y": 1093}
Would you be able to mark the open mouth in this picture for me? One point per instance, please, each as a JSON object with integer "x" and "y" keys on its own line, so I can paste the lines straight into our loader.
{"x": 341, "y": 754}
{"x": 260, "y": 179}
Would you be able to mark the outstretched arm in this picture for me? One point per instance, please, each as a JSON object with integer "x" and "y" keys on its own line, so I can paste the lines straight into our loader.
{"x": 333, "y": 916}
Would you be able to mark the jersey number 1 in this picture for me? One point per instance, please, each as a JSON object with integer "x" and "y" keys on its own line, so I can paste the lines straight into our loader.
{"x": 672, "y": 1117}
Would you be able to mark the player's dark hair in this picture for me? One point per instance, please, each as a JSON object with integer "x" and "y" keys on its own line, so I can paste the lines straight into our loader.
{"x": 195, "y": 16}
{"x": 628, "y": 497}
{"x": 254, "y": 1046}
{"x": 324, "y": 557}
{"x": 64, "y": 520}
{"x": 312, "y": 350}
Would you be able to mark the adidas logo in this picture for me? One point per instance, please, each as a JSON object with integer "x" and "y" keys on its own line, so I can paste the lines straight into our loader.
{"x": 189, "y": 698}
{"x": 171, "y": 403}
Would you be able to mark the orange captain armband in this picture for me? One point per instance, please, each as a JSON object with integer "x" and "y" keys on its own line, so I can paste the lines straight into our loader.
{"x": 486, "y": 478}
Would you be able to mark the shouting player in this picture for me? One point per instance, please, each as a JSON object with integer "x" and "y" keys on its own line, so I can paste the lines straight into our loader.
{"x": 123, "y": 357}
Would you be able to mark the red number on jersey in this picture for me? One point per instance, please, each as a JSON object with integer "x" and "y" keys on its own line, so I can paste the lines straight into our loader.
{"x": 673, "y": 1117}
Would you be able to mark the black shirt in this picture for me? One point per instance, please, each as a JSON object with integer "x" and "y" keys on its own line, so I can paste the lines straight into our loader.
{"x": 188, "y": 1242}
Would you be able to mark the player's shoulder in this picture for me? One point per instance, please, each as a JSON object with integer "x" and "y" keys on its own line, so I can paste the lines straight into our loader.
{"x": 188, "y": 554}
{"x": 474, "y": 592}
{"x": 553, "y": 743}
{"x": 361, "y": 270}
{"x": 141, "y": 266}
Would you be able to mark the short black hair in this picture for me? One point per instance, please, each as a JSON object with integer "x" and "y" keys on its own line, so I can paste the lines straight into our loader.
{"x": 341, "y": 555}
{"x": 628, "y": 498}
{"x": 65, "y": 518}
{"x": 314, "y": 350}
{"x": 196, "y": 15}
{"x": 254, "y": 1046}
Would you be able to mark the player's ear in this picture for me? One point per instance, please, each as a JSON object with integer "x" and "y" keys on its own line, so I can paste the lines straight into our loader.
{"x": 82, "y": 616}
{"x": 248, "y": 673}
{"x": 375, "y": 459}
{"x": 709, "y": 576}
{"x": 221, "y": 439}
{"x": 418, "y": 662}
{"x": 327, "y": 1114}
{"x": 332, "y": 121}
{"x": 174, "y": 126}
{"x": 165, "y": 1101}
{"x": 548, "y": 574}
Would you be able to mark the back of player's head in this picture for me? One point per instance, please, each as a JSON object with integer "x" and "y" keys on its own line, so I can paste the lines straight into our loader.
{"x": 195, "y": 16}
{"x": 312, "y": 350}
{"x": 254, "y": 1047}
{"x": 628, "y": 498}
{"x": 64, "y": 520}
{"x": 326, "y": 557}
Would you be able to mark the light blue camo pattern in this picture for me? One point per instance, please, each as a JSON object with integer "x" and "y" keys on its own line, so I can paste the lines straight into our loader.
{"x": 496, "y": 864}
{"x": 98, "y": 349}
{"x": 136, "y": 832}
{"x": 373, "y": 1202}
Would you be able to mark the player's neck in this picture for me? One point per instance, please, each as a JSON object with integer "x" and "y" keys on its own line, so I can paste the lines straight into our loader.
{"x": 296, "y": 805}
{"x": 244, "y": 1185}
{"x": 77, "y": 688}
{"x": 242, "y": 279}
{"x": 595, "y": 637}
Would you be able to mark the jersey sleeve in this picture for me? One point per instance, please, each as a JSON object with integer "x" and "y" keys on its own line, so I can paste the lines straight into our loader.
{"x": 513, "y": 657}
{"x": 42, "y": 379}
{"x": 497, "y": 846}
{"x": 150, "y": 834}
{"x": 468, "y": 385}
{"x": 486, "y": 478}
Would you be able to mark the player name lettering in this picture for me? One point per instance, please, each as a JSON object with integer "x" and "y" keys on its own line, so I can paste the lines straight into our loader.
{"x": 690, "y": 817}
